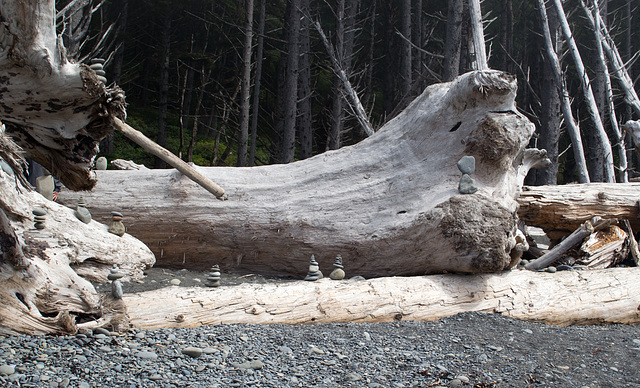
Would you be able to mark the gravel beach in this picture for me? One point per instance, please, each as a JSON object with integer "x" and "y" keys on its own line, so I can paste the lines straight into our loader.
{"x": 470, "y": 349}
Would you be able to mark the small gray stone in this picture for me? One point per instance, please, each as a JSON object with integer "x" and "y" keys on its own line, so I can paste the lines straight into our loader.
{"x": 101, "y": 162}
{"x": 455, "y": 383}
{"x": 467, "y": 165}
{"x": 353, "y": 376}
{"x": 254, "y": 364}
{"x": 551, "y": 269}
{"x": 175, "y": 282}
{"x": 337, "y": 274}
{"x": 116, "y": 289}
{"x": 147, "y": 355}
{"x": 39, "y": 211}
{"x": 6, "y": 370}
{"x": 5, "y": 167}
{"x": 101, "y": 330}
{"x": 192, "y": 351}
{"x": 467, "y": 185}
{"x": 84, "y": 384}
{"x": 155, "y": 377}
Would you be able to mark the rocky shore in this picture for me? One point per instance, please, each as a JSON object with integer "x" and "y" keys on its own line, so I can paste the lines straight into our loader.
{"x": 470, "y": 349}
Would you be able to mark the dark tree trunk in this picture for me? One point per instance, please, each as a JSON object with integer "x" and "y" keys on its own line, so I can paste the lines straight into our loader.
{"x": 405, "y": 44}
{"x": 305, "y": 119}
{"x": 550, "y": 117}
{"x": 291, "y": 84}
{"x": 257, "y": 84}
{"x": 245, "y": 93}
{"x": 506, "y": 36}
{"x": 453, "y": 40}
{"x": 163, "y": 95}
{"x": 389, "y": 81}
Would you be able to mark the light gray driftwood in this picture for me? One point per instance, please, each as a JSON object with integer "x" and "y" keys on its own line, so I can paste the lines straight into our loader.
{"x": 562, "y": 298}
{"x": 388, "y": 205}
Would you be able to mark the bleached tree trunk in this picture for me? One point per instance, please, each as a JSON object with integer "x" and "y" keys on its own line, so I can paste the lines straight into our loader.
{"x": 477, "y": 34}
{"x": 570, "y": 122}
{"x": 563, "y": 298}
{"x": 389, "y": 205}
{"x": 605, "y": 145}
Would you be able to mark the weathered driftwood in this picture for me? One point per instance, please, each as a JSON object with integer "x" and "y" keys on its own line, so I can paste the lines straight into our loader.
{"x": 56, "y": 110}
{"x": 575, "y": 238}
{"x": 46, "y": 290}
{"x": 150, "y": 146}
{"x": 604, "y": 248}
{"x": 563, "y": 298}
{"x": 564, "y": 208}
{"x": 389, "y": 205}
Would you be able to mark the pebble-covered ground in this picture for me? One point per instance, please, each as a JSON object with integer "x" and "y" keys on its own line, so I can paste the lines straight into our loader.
{"x": 469, "y": 349}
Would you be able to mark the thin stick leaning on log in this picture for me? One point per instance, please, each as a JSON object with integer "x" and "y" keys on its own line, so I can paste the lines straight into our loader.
{"x": 574, "y": 239}
{"x": 150, "y": 146}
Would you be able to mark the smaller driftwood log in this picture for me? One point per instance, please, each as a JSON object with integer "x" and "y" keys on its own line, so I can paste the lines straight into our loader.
{"x": 562, "y": 298}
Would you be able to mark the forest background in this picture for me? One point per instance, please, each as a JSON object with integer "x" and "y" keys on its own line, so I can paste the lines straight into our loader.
{"x": 243, "y": 83}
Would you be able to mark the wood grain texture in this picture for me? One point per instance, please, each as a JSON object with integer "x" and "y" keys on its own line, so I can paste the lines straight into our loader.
{"x": 562, "y": 298}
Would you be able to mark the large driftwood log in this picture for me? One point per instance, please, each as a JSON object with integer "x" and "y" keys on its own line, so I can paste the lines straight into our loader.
{"x": 47, "y": 290}
{"x": 389, "y": 205}
{"x": 562, "y": 209}
{"x": 563, "y": 298}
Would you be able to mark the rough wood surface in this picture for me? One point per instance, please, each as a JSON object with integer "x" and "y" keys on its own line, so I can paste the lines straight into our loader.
{"x": 389, "y": 205}
{"x": 564, "y": 208}
{"x": 49, "y": 290}
{"x": 563, "y": 298}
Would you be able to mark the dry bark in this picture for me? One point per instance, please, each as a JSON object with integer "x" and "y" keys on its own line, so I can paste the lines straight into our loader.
{"x": 563, "y": 298}
{"x": 562, "y": 209}
{"x": 389, "y": 205}
{"x": 45, "y": 287}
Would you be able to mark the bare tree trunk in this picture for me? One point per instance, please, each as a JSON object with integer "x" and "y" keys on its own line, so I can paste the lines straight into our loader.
{"x": 185, "y": 105}
{"x": 163, "y": 93}
{"x": 550, "y": 116}
{"x": 257, "y": 84}
{"x": 604, "y": 144}
{"x": 196, "y": 116}
{"x": 334, "y": 140}
{"x": 291, "y": 84}
{"x": 570, "y": 122}
{"x": 607, "y": 104}
{"x": 245, "y": 90}
{"x": 305, "y": 120}
{"x": 477, "y": 33}
{"x": 405, "y": 60}
{"x": 453, "y": 41}
{"x": 506, "y": 35}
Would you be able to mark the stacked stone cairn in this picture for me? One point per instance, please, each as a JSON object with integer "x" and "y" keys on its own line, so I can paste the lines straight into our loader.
{"x": 39, "y": 218}
{"x": 101, "y": 163}
{"x": 213, "y": 279}
{"x": 82, "y": 213}
{"x": 338, "y": 269}
{"x": 314, "y": 270}
{"x": 117, "y": 227}
{"x": 467, "y": 166}
{"x": 116, "y": 284}
{"x": 97, "y": 65}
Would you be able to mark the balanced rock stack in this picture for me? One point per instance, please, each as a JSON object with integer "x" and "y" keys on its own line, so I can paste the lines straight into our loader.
{"x": 117, "y": 227}
{"x": 97, "y": 65}
{"x": 39, "y": 217}
{"x": 314, "y": 270}
{"x": 213, "y": 280}
{"x": 338, "y": 269}
{"x": 467, "y": 166}
{"x": 82, "y": 213}
{"x": 116, "y": 284}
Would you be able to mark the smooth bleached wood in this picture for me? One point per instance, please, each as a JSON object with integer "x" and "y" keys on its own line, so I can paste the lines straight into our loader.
{"x": 562, "y": 298}
{"x": 388, "y": 205}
